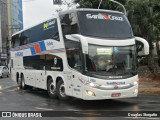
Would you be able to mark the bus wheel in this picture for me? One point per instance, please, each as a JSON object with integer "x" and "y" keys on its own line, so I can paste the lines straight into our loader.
{"x": 22, "y": 83}
{"x": 51, "y": 89}
{"x": 61, "y": 91}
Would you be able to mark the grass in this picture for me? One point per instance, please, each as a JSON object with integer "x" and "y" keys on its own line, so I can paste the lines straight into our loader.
{"x": 152, "y": 90}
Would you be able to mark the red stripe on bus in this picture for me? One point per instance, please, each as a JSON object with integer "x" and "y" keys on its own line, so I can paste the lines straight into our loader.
{"x": 37, "y": 48}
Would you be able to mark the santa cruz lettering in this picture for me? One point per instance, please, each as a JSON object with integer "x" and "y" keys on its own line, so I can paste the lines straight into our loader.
{"x": 104, "y": 16}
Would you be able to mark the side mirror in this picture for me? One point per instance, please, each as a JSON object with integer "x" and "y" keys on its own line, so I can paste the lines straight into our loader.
{"x": 144, "y": 46}
{"x": 84, "y": 43}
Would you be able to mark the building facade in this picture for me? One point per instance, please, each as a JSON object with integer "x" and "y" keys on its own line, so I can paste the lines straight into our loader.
{"x": 11, "y": 21}
{"x": 16, "y": 16}
{"x": 3, "y": 31}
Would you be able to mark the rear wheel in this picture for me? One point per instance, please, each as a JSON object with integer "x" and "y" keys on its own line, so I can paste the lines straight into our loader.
{"x": 51, "y": 89}
{"x": 21, "y": 82}
{"x": 61, "y": 91}
{"x": 8, "y": 75}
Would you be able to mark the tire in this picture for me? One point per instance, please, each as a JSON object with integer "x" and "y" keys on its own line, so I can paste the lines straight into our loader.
{"x": 51, "y": 89}
{"x": 61, "y": 91}
{"x": 21, "y": 83}
{"x": 8, "y": 75}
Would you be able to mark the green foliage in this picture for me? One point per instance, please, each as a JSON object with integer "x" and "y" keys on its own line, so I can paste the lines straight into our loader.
{"x": 145, "y": 18}
{"x": 106, "y": 4}
{"x": 144, "y": 15}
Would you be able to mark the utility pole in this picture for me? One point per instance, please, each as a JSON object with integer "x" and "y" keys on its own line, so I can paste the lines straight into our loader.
{"x": 124, "y": 9}
{"x": 0, "y": 37}
{"x": 9, "y": 30}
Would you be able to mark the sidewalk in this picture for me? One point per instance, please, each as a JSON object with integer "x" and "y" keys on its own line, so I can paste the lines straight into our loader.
{"x": 149, "y": 87}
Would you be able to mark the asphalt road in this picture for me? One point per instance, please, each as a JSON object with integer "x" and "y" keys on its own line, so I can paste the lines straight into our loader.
{"x": 13, "y": 99}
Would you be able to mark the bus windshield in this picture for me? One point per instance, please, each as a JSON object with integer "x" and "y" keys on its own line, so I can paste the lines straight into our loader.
{"x": 111, "y": 61}
{"x": 104, "y": 24}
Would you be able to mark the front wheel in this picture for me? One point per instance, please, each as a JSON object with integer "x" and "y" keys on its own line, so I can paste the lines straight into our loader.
{"x": 61, "y": 91}
{"x": 51, "y": 89}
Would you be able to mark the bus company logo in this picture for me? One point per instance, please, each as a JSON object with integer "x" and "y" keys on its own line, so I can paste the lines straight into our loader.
{"x": 49, "y": 43}
{"x": 115, "y": 83}
{"x": 92, "y": 80}
{"x": 104, "y": 16}
{"x": 19, "y": 54}
{"x": 48, "y": 24}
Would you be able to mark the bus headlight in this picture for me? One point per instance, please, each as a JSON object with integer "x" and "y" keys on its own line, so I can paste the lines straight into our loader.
{"x": 93, "y": 85}
{"x": 135, "y": 82}
{"x": 90, "y": 93}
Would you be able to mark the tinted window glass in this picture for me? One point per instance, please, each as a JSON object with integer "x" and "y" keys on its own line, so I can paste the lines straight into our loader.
{"x": 104, "y": 24}
{"x": 43, "y": 31}
{"x": 69, "y": 24}
{"x": 34, "y": 62}
{"x": 51, "y": 62}
{"x": 73, "y": 49}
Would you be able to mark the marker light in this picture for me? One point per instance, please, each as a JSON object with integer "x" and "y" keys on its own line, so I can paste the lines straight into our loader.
{"x": 135, "y": 83}
{"x": 91, "y": 84}
{"x": 90, "y": 93}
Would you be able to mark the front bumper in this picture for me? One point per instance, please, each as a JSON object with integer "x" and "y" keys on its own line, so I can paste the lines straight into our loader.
{"x": 107, "y": 94}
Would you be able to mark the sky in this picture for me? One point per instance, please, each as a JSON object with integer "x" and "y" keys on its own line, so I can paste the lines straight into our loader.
{"x": 35, "y": 11}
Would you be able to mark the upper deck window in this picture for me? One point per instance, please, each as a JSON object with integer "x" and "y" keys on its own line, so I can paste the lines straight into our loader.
{"x": 69, "y": 23}
{"x": 104, "y": 24}
{"x": 43, "y": 31}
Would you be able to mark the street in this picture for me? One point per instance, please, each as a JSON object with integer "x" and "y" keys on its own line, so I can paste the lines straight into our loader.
{"x": 13, "y": 99}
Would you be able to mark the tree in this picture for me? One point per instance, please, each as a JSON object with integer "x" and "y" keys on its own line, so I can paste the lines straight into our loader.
{"x": 61, "y": 3}
{"x": 145, "y": 20}
{"x": 144, "y": 16}
{"x": 106, "y": 4}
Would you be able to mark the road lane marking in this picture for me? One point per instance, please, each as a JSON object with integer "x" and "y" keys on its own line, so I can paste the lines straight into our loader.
{"x": 8, "y": 87}
{"x": 72, "y": 110}
{"x": 43, "y": 108}
{"x": 12, "y": 90}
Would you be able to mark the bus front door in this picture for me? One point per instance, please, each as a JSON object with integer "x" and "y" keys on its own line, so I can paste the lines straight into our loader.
{"x": 77, "y": 85}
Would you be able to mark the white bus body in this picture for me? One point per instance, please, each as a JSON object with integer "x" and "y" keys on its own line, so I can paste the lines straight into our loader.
{"x": 65, "y": 57}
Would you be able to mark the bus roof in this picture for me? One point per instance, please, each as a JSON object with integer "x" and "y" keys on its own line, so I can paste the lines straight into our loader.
{"x": 89, "y": 9}
{"x": 69, "y": 11}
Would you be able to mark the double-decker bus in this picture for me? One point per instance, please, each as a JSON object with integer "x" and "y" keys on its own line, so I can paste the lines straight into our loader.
{"x": 84, "y": 53}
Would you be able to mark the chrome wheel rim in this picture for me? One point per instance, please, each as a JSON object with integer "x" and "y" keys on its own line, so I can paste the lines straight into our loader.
{"x": 23, "y": 84}
{"x": 62, "y": 90}
{"x": 52, "y": 88}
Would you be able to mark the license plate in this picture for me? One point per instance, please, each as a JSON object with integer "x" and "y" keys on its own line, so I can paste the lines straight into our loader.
{"x": 116, "y": 94}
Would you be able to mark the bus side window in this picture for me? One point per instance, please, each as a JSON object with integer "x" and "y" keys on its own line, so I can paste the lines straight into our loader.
{"x": 23, "y": 40}
{"x": 15, "y": 41}
{"x": 73, "y": 54}
{"x": 53, "y": 63}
